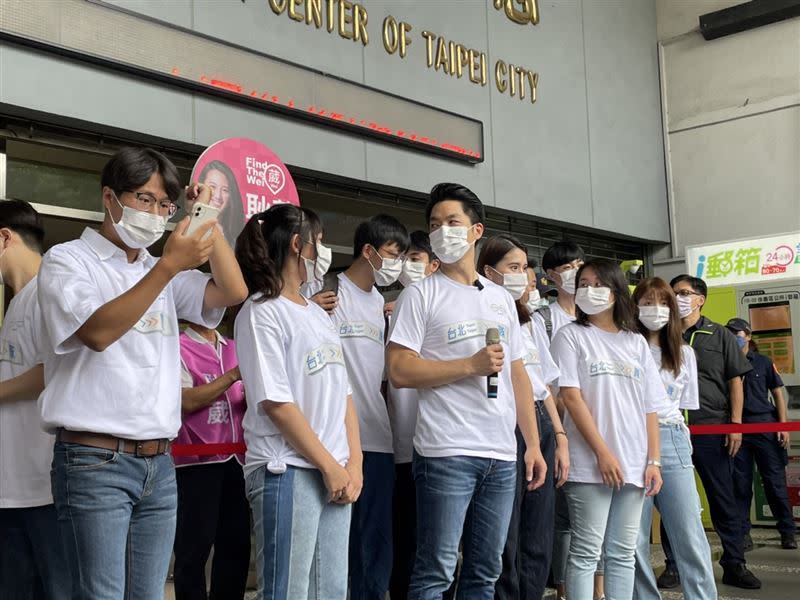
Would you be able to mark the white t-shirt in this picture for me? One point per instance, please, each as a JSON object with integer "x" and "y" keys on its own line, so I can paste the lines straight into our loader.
{"x": 26, "y": 452}
{"x": 403, "y": 405}
{"x": 559, "y": 318}
{"x": 359, "y": 321}
{"x": 442, "y": 320}
{"x": 290, "y": 353}
{"x": 620, "y": 385}
{"x": 133, "y": 388}
{"x": 539, "y": 362}
{"x": 682, "y": 391}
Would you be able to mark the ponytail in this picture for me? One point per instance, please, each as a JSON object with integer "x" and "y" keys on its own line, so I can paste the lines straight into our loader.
{"x": 263, "y": 247}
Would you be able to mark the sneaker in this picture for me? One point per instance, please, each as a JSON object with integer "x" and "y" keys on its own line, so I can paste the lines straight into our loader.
{"x": 748, "y": 542}
{"x": 741, "y": 577}
{"x": 788, "y": 542}
{"x": 668, "y": 580}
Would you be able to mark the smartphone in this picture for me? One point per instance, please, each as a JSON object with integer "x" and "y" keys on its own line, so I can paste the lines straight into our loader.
{"x": 201, "y": 213}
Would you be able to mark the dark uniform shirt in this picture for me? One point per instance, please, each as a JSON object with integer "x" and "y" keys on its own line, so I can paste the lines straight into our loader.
{"x": 719, "y": 360}
{"x": 757, "y": 383}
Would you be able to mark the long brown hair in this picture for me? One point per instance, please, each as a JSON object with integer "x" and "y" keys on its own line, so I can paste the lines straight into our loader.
{"x": 493, "y": 251}
{"x": 670, "y": 337}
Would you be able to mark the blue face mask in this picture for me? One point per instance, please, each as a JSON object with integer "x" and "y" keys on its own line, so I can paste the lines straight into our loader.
{"x": 741, "y": 341}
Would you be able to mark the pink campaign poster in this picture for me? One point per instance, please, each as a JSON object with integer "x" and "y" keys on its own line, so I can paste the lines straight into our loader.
{"x": 246, "y": 178}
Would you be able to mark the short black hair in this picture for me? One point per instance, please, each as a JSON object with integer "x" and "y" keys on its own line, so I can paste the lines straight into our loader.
{"x": 562, "y": 253}
{"x": 421, "y": 242}
{"x": 21, "y": 218}
{"x": 379, "y": 230}
{"x": 697, "y": 284}
{"x": 131, "y": 168}
{"x": 472, "y": 205}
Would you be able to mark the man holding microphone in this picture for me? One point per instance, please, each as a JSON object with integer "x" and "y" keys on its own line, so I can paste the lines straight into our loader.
{"x": 465, "y": 447}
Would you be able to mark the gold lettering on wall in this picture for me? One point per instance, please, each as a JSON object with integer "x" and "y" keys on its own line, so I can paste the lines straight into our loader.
{"x": 349, "y": 19}
{"x": 528, "y": 11}
{"x": 395, "y": 35}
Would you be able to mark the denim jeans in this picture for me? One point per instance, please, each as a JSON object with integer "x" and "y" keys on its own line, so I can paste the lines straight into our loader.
{"x": 33, "y": 563}
{"x": 461, "y": 495}
{"x": 301, "y": 538}
{"x": 529, "y": 547}
{"x": 371, "y": 530}
{"x": 116, "y": 514}
{"x": 598, "y": 512}
{"x": 679, "y": 505}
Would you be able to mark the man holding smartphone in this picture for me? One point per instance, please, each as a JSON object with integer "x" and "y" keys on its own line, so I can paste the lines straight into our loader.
{"x": 110, "y": 312}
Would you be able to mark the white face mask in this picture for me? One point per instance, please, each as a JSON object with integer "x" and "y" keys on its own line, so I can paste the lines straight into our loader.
{"x": 514, "y": 283}
{"x": 389, "y": 270}
{"x": 593, "y": 300}
{"x": 654, "y": 317}
{"x": 535, "y": 301}
{"x": 450, "y": 244}
{"x": 685, "y": 306}
{"x": 3, "y": 251}
{"x": 568, "y": 280}
{"x": 138, "y": 229}
{"x": 412, "y": 272}
{"x": 316, "y": 269}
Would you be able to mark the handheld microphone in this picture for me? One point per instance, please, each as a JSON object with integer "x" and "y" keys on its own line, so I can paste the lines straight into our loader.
{"x": 492, "y": 338}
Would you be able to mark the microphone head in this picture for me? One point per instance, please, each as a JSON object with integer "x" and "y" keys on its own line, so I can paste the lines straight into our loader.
{"x": 492, "y": 336}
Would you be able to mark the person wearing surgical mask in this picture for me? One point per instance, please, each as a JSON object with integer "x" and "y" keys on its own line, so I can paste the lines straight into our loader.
{"x": 613, "y": 393}
{"x": 767, "y": 450}
{"x": 303, "y": 467}
{"x": 678, "y": 502}
{"x": 465, "y": 448}
{"x": 379, "y": 246}
{"x": 420, "y": 263}
{"x": 720, "y": 368}
{"x": 560, "y": 262}
{"x": 110, "y": 311}
{"x": 529, "y": 545}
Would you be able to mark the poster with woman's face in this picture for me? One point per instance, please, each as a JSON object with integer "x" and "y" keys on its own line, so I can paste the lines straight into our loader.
{"x": 246, "y": 178}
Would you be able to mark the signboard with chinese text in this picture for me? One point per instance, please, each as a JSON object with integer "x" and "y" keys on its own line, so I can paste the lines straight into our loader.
{"x": 746, "y": 261}
{"x": 245, "y": 178}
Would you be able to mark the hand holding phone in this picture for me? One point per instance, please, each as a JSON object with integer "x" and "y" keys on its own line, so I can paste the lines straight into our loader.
{"x": 201, "y": 214}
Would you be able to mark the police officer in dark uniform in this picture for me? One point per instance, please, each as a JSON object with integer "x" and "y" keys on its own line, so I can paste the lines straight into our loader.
{"x": 720, "y": 367}
{"x": 768, "y": 449}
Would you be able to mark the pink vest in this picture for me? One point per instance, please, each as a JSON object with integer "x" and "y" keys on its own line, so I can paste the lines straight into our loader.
{"x": 221, "y": 421}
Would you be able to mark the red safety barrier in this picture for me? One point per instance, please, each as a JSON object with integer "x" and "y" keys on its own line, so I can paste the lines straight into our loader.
{"x": 744, "y": 428}
{"x": 214, "y": 449}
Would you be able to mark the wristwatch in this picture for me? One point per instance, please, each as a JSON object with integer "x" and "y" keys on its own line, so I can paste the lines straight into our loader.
{"x": 654, "y": 463}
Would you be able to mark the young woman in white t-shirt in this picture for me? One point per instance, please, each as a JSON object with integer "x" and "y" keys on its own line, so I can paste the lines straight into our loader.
{"x": 678, "y": 501}
{"x": 612, "y": 392}
{"x": 529, "y": 545}
{"x": 303, "y": 462}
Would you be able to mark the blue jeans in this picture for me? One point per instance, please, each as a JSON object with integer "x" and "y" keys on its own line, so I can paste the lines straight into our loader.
{"x": 371, "y": 530}
{"x": 33, "y": 563}
{"x": 679, "y": 505}
{"x": 461, "y": 495}
{"x": 598, "y": 512}
{"x": 301, "y": 538}
{"x": 116, "y": 514}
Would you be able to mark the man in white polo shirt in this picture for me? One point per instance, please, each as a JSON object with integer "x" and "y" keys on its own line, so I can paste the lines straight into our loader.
{"x": 465, "y": 445}
{"x": 32, "y": 560}
{"x": 113, "y": 394}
